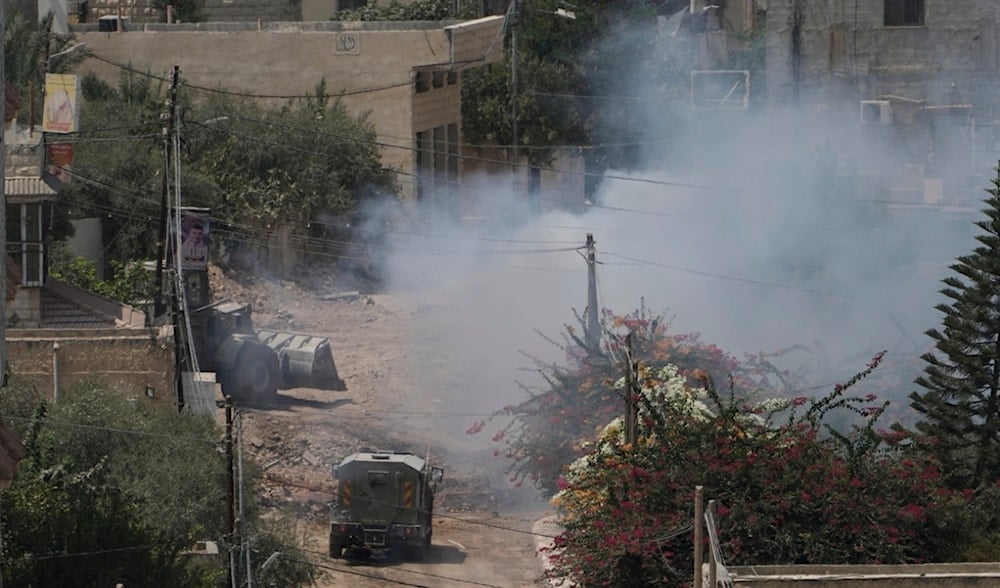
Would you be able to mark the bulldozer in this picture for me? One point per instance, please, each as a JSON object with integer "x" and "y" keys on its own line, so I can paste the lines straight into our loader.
{"x": 250, "y": 365}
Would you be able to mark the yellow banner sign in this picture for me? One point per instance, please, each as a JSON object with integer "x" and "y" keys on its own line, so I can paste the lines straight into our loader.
{"x": 61, "y": 113}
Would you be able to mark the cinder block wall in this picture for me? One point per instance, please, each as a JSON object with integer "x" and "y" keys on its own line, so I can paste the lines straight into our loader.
{"x": 127, "y": 361}
{"x": 844, "y": 47}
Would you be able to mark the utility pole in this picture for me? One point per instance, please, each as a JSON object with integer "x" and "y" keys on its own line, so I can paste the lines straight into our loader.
{"x": 230, "y": 493}
{"x": 631, "y": 391}
{"x": 514, "y": 23}
{"x": 593, "y": 334}
{"x": 160, "y": 305}
{"x": 3, "y": 205}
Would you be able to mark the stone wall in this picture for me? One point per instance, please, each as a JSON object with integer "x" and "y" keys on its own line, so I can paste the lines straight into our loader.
{"x": 936, "y": 83}
{"x": 868, "y": 576}
{"x": 817, "y": 49}
{"x": 139, "y": 363}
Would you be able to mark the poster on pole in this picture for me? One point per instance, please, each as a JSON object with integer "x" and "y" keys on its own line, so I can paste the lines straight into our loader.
{"x": 194, "y": 227}
{"x": 59, "y": 160}
{"x": 61, "y": 113}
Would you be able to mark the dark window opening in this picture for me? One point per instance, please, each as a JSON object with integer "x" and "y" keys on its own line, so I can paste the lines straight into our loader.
{"x": 439, "y": 79}
{"x": 904, "y": 13}
{"x": 351, "y": 4}
{"x": 423, "y": 81}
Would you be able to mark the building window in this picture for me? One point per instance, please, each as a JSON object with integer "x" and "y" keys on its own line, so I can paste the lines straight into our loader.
{"x": 440, "y": 77}
{"x": 904, "y": 13}
{"x": 423, "y": 81}
{"x": 351, "y": 4}
{"x": 437, "y": 168}
{"x": 25, "y": 242}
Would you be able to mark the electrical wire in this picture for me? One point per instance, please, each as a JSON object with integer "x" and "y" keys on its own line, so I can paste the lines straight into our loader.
{"x": 120, "y": 430}
{"x": 355, "y": 573}
{"x": 417, "y": 572}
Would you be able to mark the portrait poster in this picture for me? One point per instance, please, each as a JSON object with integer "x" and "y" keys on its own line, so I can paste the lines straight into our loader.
{"x": 194, "y": 239}
{"x": 61, "y": 111}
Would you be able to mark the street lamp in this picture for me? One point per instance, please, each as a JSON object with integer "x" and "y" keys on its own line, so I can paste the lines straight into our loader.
{"x": 67, "y": 51}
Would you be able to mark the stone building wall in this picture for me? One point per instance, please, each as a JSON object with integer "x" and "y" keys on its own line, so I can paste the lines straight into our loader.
{"x": 138, "y": 363}
{"x": 916, "y": 102}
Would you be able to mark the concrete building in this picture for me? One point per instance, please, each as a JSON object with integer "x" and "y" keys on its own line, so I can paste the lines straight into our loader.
{"x": 406, "y": 75}
{"x": 58, "y": 335}
{"x": 911, "y": 86}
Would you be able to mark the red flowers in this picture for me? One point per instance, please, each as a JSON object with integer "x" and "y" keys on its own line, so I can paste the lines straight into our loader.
{"x": 476, "y": 427}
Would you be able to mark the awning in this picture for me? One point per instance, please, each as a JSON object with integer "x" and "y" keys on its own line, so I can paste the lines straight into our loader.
{"x": 30, "y": 186}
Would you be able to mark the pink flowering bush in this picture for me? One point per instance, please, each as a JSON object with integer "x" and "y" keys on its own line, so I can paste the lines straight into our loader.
{"x": 789, "y": 488}
{"x": 559, "y": 423}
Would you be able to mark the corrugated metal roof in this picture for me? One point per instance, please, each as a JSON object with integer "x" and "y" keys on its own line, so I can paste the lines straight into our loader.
{"x": 30, "y": 186}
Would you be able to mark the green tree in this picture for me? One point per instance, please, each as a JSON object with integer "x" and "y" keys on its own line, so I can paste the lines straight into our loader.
{"x": 308, "y": 163}
{"x": 595, "y": 80}
{"x": 417, "y": 10}
{"x": 118, "y": 165}
{"x": 184, "y": 10}
{"x": 27, "y": 44}
{"x": 112, "y": 490}
{"x": 960, "y": 404}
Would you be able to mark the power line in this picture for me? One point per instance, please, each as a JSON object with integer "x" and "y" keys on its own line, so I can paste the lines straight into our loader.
{"x": 417, "y": 572}
{"x": 729, "y": 278}
{"x": 51, "y": 422}
{"x": 355, "y": 573}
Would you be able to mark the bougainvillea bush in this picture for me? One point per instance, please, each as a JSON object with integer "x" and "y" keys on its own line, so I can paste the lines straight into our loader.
{"x": 789, "y": 488}
{"x": 559, "y": 422}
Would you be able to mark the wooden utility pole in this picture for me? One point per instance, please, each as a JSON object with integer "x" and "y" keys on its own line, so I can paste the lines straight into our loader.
{"x": 160, "y": 305}
{"x": 699, "y": 533}
{"x": 593, "y": 334}
{"x": 230, "y": 493}
{"x": 631, "y": 391}
{"x": 3, "y": 205}
{"x": 513, "y": 23}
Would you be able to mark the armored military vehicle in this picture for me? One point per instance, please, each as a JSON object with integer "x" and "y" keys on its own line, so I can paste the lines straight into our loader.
{"x": 384, "y": 506}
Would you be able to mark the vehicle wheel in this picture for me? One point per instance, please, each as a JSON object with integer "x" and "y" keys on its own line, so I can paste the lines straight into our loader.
{"x": 256, "y": 376}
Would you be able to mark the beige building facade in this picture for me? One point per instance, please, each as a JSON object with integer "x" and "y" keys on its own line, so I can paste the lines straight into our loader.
{"x": 406, "y": 76}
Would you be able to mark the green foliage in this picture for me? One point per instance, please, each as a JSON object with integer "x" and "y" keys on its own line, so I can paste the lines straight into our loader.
{"x": 790, "y": 488}
{"x": 131, "y": 284}
{"x": 25, "y": 54}
{"x": 118, "y": 169}
{"x": 595, "y": 80}
{"x": 94, "y": 505}
{"x": 304, "y": 162}
{"x": 112, "y": 490}
{"x": 960, "y": 404}
{"x": 418, "y": 10}
{"x": 184, "y": 10}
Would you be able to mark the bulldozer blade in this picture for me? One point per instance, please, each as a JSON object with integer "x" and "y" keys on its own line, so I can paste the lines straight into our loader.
{"x": 304, "y": 360}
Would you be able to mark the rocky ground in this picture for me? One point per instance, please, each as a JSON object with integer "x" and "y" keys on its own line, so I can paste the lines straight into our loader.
{"x": 398, "y": 398}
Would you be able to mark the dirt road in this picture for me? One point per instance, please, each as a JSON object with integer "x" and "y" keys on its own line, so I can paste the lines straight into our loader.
{"x": 483, "y": 525}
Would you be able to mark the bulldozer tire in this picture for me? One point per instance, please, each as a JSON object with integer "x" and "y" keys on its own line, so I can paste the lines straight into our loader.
{"x": 256, "y": 376}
